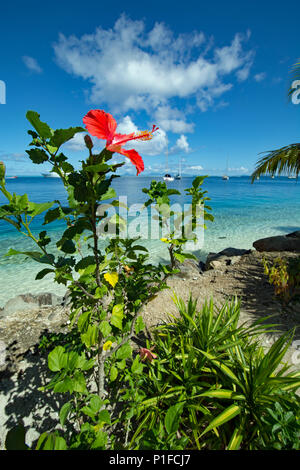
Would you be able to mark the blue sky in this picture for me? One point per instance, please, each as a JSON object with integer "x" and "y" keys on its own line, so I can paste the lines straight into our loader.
{"x": 212, "y": 75}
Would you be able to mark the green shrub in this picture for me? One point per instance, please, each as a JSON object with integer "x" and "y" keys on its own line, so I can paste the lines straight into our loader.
{"x": 212, "y": 385}
{"x": 285, "y": 276}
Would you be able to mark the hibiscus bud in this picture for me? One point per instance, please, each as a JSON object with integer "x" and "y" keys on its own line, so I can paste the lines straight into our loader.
{"x": 2, "y": 171}
{"x": 88, "y": 142}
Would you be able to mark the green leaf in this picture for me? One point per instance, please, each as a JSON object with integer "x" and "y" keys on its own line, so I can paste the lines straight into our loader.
{"x": 180, "y": 257}
{"x": 42, "y": 273}
{"x": 223, "y": 394}
{"x": 85, "y": 262}
{"x": 222, "y": 367}
{"x": 57, "y": 213}
{"x": 198, "y": 181}
{"x": 100, "y": 441}
{"x": 96, "y": 403}
{"x": 79, "y": 384}
{"x": 90, "y": 338}
{"x": 104, "y": 417}
{"x": 67, "y": 167}
{"x": 82, "y": 320}
{"x": 57, "y": 359}
{"x": 170, "y": 192}
{"x": 172, "y": 417}
{"x": 124, "y": 352}
{"x": 41, "y": 127}
{"x": 236, "y": 440}
{"x": 97, "y": 168}
{"x": 64, "y": 412}
{"x": 35, "y": 208}
{"x": 63, "y": 386}
{"x": 140, "y": 248}
{"x": 113, "y": 373}
{"x": 60, "y": 443}
{"x": 226, "y": 415}
{"x": 37, "y": 156}
{"x": 51, "y": 442}
{"x": 67, "y": 246}
{"x": 110, "y": 193}
{"x": 36, "y": 255}
{"x": 60, "y": 136}
{"x": 137, "y": 367}
{"x": 105, "y": 328}
{"x": 139, "y": 325}
{"x": 117, "y": 316}
{"x": 189, "y": 256}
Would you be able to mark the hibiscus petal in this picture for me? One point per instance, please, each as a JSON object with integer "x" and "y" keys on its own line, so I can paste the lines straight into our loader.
{"x": 121, "y": 139}
{"x": 135, "y": 159}
{"x": 147, "y": 354}
{"x": 100, "y": 124}
{"x": 133, "y": 156}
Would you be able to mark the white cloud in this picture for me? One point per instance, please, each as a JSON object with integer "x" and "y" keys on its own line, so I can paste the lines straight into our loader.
{"x": 260, "y": 76}
{"x": 14, "y": 157}
{"x": 77, "y": 143}
{"x": 194, "y": 168}
{"x": 171, "y": 119}
{"x": 240, "y": 169}
{"x": 130, "y": 68}
{"x": 32, "y": 64}
{"x": 181, "y": 145}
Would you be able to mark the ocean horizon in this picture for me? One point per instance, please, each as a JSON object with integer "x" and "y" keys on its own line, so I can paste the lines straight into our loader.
{"x": 243, "y": 213}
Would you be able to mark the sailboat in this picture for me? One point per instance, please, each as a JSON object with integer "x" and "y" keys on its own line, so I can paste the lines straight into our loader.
{"x": 226, "y": 177}
{"x": 50, "y": 175}
{"x": 167, "y": 176}
{"x": 178, "y": 176}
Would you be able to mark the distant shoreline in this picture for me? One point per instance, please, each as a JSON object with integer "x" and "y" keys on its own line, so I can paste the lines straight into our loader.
{"x": 161, "y": 176}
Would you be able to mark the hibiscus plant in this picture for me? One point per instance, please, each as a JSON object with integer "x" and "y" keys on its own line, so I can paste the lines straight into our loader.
{"x": 108, "y": 285}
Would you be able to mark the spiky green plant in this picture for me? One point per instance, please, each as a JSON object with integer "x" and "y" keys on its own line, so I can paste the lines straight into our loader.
{"x": 212, "y": 382}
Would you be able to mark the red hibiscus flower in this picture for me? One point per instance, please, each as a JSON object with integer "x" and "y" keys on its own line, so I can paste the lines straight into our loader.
{"x": 102, "y": 125}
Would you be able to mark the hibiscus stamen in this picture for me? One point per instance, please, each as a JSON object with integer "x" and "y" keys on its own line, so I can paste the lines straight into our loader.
{"x": 146, "y": 135}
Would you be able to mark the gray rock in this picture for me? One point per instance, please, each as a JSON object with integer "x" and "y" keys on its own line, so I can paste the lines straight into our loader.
{"x": 23, "y": 321}
{"x": 229, "y": 252}
{"x": 29, "y": 302}
{"x": 224, "y": 258}
{"x": 294, "y": 234}
{"x": 278, "y": 243}
{"x": 189, "y": 269}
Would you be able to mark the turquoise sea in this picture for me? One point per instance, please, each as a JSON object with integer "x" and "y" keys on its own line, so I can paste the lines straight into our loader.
{"x": 243, "y": 212}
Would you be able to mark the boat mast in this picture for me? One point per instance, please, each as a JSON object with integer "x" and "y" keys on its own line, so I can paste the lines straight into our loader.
{"x": 167, "y": 165}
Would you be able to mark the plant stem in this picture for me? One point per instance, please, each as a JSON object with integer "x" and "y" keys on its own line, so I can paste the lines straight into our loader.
{"x": 95, "y": 249}
{"x": 101, "y": 372}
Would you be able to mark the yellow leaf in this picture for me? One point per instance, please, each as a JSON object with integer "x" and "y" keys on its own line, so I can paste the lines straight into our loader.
{"x": 112, "y": 278}
{"x": 107, "y": 346}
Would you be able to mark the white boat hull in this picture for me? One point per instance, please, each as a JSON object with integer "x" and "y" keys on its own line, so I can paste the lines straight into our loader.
{"x": 50, "y": 175}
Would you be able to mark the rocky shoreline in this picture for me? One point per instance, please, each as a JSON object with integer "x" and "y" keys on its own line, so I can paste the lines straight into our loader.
{"x": 232, "y": 272}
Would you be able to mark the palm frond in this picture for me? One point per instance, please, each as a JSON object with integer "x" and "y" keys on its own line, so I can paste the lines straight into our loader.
{"x": 296, "y": 76}
{"x": 285, "y": 160}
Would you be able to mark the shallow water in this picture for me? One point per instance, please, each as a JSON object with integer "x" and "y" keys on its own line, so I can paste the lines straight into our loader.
{"x": 243, "y": 212}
